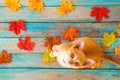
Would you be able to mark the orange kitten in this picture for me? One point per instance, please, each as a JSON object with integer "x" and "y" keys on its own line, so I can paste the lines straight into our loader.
{"x": 79, "y": 54}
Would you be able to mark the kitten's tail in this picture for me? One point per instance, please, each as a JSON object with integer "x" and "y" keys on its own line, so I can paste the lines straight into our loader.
{"x": 110, "y": 59}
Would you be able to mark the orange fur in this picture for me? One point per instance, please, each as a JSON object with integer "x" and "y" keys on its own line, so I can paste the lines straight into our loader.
{"x": 91, "y": 50}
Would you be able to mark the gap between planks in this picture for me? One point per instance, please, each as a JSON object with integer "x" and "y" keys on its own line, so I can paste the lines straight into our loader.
{"x": 67, "y": 69}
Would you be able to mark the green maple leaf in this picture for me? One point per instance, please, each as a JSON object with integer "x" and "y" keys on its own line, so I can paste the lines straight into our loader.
{"x": 108, "y": 39}
{"x": 118, "y": 31}
{"x": 46, "y": 57}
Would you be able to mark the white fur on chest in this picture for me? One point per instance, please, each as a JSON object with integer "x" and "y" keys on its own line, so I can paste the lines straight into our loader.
{"x": 62, "y": 58}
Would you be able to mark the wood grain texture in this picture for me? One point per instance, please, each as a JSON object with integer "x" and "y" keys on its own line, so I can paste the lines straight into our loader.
{"x": 6, "y": 43}
{"x": 33, "y": 61}
{"x": 50, "y": 29}
{"x": 56, "y": 74}
{"x": 27, "y": 65}
{"x": 49, "y": 14}
{"x": 75, "y": 2}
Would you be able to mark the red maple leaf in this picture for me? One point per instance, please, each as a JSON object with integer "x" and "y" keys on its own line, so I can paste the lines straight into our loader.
{"x": 50, "y": 42}
{"x": 70, "y": 34}
{"x": 26, "y": 44}
{"x": 4, "y": 57}
{"x": 99, "y": 12}
{"x": 17, "y": 26}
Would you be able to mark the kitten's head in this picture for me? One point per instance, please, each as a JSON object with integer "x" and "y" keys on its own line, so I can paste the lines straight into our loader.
{"x": 71, "y": 55}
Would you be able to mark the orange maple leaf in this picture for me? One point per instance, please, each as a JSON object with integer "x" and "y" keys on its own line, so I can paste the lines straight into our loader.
{"x": 70, "y": 34}
{"x": 117, "y": 51}
{"x": 36, "y": 5}
{"x": 4, "y": 57}
{"x": 50, "y": 42}
{"x": 65, "y": 7}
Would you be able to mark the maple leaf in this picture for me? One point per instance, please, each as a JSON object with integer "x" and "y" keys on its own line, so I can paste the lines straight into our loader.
{"x": 117, "y": 51}
{"x": 118, "y": 31}
{"x": 46, "y": 57}
{"x": 65, "y": 7}
{"x": 12, "y": 4}
{"x": 99, "y": 12}
{"x": 26, "y": 44}
{"x": 50, "y": 42}
{"x": 70, "y": 34}
{"x": 118, "y": 24}
{"x": 108, "y": 39}
{"x": 35, "y": 5}
{"x": 5, "y": 57}
{"x": 17, "y": 26}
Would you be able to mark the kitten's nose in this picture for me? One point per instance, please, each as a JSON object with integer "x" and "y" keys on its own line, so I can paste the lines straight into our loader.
{"x": 71, "y": 62}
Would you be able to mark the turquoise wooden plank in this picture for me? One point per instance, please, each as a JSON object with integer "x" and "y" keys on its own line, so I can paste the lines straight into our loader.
{"x": 50, "y": 29}
{"x": 49, "y": 14}
{"x": 56, "y": 74}
{"x": 33, "y": 61}
{"x": 75, "y": 2}
{"x": 6, "y": 43}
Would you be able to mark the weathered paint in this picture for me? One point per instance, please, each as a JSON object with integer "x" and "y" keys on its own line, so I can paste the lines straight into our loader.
{"x": 28, "y": 66}
{"x": 75, "y": 2}
{"x": 49, "y": 14}
{"x": 6, "y": 43}
{"x": 58, "y": 74}
{"x": 50, "y": 29}
{"x": 33, "y": 61}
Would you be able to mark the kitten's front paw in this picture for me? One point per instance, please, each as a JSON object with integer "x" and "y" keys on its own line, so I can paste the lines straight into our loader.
{"x": 55, "y": 48}
{"x": 96, "y": 64}
{"x": 53, "y": 54}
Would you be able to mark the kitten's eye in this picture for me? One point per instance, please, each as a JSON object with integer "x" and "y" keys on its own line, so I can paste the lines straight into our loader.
{"x": 76, "y": 63}
{"x": 72, "y": 55}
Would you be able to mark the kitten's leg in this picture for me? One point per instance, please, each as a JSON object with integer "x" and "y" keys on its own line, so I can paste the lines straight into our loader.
{"x": 96, "y": 64}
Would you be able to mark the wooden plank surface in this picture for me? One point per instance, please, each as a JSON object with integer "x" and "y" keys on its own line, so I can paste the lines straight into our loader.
{"x": 56, "y": 74}
{"x": 50, "y": 29}
{"x": 33, "y": 61}
{"x": 6, "y": 43}
{"x": 27, "y": 65}
{"x": 49, "y": 14}
{"x": 75, "y": 2}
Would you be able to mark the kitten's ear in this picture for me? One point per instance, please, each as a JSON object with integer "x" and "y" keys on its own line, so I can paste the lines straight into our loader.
{"x": 88, "y": 62}
{"x": 79, "y": 45}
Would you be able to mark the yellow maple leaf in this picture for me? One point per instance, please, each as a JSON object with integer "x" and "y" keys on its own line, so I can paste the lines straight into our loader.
{"x": 12, "y": 4}
{"x": 108, "y": 39}
{"x": 118, "y": 31}
{"x": 117, "y": 51}
{"x": 46, "y": 57}
{"x": 65, "y": 7}
{"x": 36, "y": 5}
{"x": 119, "y": 24}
